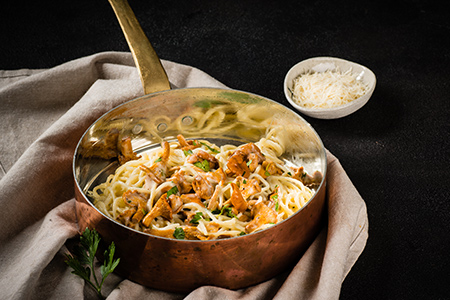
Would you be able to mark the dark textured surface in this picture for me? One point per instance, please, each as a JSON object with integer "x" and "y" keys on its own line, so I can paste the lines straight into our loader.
{"x": 395, "y": 149}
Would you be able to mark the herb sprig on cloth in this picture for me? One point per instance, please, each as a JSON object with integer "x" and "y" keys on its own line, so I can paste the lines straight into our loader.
{"x": 82, "y": 262}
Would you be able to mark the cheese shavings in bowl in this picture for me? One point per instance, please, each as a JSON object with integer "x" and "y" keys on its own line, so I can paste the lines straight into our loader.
{"x": 328, "y": 87}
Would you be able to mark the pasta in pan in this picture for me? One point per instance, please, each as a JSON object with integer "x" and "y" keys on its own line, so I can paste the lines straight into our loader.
{"x": 193, "y": 189}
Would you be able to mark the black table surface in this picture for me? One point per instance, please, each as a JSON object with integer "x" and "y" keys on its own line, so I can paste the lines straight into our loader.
{"x": 395, "y": 149}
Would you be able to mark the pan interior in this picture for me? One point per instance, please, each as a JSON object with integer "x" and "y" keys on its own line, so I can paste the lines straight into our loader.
{"x": 220, "y": 116}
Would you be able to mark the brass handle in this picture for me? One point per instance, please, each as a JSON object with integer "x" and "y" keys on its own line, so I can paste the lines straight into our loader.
{"x": 153, "y": 76}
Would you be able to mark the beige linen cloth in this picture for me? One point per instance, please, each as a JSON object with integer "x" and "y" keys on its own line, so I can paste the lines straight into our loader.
{"x": 43, "y": 114}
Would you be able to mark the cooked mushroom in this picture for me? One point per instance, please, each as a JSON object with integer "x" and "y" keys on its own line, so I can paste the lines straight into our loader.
{"x": 248, "y": 187}
{"x": 308, "y": 180}
{"x": 204, "y": 183}
{"x": 105, "y": 147}
{"x": 269, "y": 168}
{"x": 125, "y": 217}
{"x": 201, "y": 155}
{"x": 187, "y": 145}
{"x": 192, "y": 233}
{"x": 168, "y": 233}
{"x": 237, "y": 200}
{"x": 126, "y": 151}
{"x": 138, "y": 202}
{"x": 178, "y": 178}
{"x": 158, "y": 171}
{"x": 212, "y": 205}
{"x": 109, "y": 146}
{"x": 161, "y": 208}
{"x": 191, "y": 198}
{"x": 253, "y": 154}
{"x": 244, "y": 160}
{"x": 262, "y": 214}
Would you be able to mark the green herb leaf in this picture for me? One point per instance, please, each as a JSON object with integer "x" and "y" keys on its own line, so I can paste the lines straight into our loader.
{"x": 172, "y": 191}
{"x": 89, "y": 240}
{"x": 227, "y": 211}
{"x": 249, "y": 162}
{"x": 196, "y": 218}
{"x": 204, "y": 165}
{"x": 158, "y": 160}
{"x": 242, "y": 233}
{"x": 210, "y": 148}
{"x": 267, "y": 173}
{"x": 78, "y": 268}
{"x": 276, "y": 206}
{"x": 187, "y": 152}
{"x": 110, "y": 263}
{"x": 82, "y": 262}
{"x": 179, "y": 233}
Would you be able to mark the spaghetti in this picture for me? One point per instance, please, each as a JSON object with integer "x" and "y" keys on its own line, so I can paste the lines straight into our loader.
{"x": 193, "y": 189}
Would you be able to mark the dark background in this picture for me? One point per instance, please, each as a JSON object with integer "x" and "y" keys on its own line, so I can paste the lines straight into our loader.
{"x": 395, "y": 149}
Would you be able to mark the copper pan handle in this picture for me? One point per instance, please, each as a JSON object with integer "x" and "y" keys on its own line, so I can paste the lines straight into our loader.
{"x": 152, "y": 74}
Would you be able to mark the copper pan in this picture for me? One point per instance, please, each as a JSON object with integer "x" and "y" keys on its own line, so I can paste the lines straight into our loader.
{"x": 239, "y": 117}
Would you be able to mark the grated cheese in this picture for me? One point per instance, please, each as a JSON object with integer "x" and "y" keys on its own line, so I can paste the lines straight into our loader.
{"x": 327, "y": 89}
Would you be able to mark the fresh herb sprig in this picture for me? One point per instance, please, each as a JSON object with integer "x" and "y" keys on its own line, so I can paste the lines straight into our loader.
{"x": 82, "y": 262}
{"x": 204, "y": 165}
{"x": 179, "y": 233}
{"x": 226, "y": 211}
{"x": 210, "y": 148}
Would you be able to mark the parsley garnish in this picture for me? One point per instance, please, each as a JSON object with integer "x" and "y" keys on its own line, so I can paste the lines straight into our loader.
{"x": 204, "y": 165}
{"x": 276, "y": 206}
{"x": 187, "y": 152}
{"x": 210, "y": 148}
{"x": 249, "y": 162}
{"x": 83, "y": 260}
{"x": 178, "y": 233}
{"x": 226, "y": 211}
{"x": 242, "y": 233}
{"x": 267, "y": 171}
{"x": 172, "y": 191}
{"x": 158, "y": 160}
{"x": 196, "y": 218}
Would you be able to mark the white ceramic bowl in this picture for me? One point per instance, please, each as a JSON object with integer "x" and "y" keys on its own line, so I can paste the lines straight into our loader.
{"x": 322, "y": 64}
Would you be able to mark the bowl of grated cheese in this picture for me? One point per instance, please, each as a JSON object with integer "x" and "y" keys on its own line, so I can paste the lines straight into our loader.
{"x": 328, "y": 87}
